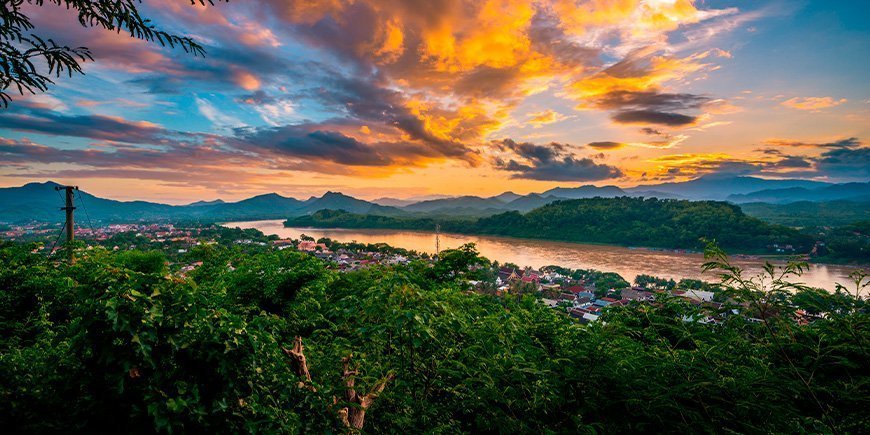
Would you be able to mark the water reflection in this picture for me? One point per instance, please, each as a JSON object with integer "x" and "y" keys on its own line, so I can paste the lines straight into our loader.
{"x": 628, "y": 262}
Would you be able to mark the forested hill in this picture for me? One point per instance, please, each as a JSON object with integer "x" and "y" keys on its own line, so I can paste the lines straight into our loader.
{"x": 624, "y": 221}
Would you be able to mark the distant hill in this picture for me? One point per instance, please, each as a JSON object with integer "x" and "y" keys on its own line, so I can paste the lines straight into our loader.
{"x": 469, "y": 202}
{"x": 507, "y": 197}
{"x": 339, "y": 201}
{"x": 587, "y": 191}
{"x": 847, "y": 191}
{"x": 40, "y": 202}
{"x": 393, "y": 202}
{"x": 201, "y": 203}
{"x": 531, "y": 202}
{"x": 718, "y": 187}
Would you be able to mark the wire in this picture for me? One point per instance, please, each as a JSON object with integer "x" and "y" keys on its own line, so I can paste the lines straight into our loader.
{"x": 51, "y": 251}
{"x": 88, "y": 217}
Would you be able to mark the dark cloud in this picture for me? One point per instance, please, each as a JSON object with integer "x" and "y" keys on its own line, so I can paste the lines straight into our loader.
{"x": 605, "y": 145}
{"x": 308, "y": 142}
{"x": 256, "y": 98}
{"x": 87, "y": 126}
{"x": 852, "y": 142}
{"x": 650, "y": 100}
{"x": 845, "y": 162}
{"x": 793, "y": 162}
{"x": 653, "y": 117}
{"x": 652, "y": 132}
{"x": 551, "y": 162}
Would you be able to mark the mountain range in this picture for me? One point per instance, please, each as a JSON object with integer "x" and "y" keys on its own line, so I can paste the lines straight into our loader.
{"x": 40, "y": 202}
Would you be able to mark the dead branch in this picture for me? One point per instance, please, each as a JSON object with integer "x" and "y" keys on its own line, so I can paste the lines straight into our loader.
{"x": 300, "y": 363}
{"x": 353, "y": 417}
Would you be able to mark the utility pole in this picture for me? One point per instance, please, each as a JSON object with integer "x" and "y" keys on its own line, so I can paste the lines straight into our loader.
{"x": 70, "y": 221}
{"x": 437, "y": 239}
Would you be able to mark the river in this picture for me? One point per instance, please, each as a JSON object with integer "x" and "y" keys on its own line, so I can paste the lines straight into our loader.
{"x": 628, "y": 262}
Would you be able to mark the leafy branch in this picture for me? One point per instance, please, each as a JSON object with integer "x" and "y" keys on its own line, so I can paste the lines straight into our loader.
{"x": 29, "y": 63}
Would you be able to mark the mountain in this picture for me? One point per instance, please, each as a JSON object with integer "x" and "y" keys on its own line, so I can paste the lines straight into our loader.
{"x": 339, "y": 201}
{"x": 202, "y": 203}
{"x": 507, "y": 197}
{"x": 40, "y": 202}
{"x": 588, "y": 191}
{"x": 267, "y": 206}
{"x": 458, "y": 203}
{"x": 847, "y": 191}
{"x": 718, "y": 187}
{"x": 393, "y": 202}
{"x": 531, "y": 202}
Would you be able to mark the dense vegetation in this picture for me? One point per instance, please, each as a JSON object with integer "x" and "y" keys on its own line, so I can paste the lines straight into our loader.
{"x": 810, "y": 214}
{"x": 625, "y": 221}
{"x": 845, "y": 244}
{"x": 116, "y": 343}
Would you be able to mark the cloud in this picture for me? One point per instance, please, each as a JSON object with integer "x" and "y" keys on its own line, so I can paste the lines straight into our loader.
{"x": 308, "y": 142}
{"x": 606, "y": 145}
{"x": 653, "y": 117}
{"x": 851, "y": 142}
{"x": 813, "y": 104}
{"x": 542, "y": 118}
{"x": 852, "y": 163}
{"x": 86, "y": 126}
{"x": 551, "y": 162}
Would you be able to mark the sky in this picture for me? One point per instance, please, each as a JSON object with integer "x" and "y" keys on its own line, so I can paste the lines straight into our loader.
{"x": 412, "y": 98}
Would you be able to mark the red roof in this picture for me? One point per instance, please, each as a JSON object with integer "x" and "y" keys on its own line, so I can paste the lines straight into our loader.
{"x": 576, "y": 289}
{"x": 611, "y": 300}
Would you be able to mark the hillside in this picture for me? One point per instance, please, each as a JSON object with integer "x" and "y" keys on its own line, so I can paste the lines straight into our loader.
{"x": 808, "y": 213}
{"x": 623, "y": 221}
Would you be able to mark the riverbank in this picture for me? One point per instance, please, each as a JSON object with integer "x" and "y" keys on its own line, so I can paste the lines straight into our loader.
{"x": 539, "y": 253}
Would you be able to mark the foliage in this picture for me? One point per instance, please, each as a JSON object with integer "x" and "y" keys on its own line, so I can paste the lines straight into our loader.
{"x": 624, "y": 221}
{"x": 29, "y": 60}
{"x": 809, "y": 213}
{"x": 114, "y": 343}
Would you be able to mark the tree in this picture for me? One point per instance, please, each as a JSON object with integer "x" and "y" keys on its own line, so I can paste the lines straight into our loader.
{"x": 29, "y": 61}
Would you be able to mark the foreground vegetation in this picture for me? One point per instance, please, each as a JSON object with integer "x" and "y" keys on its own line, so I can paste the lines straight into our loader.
{"x": 267, "y": 340}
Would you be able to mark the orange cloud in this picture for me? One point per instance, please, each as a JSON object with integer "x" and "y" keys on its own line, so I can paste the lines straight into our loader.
{"x": 539, "y": 119}
{"x": 246, "y": 80}
{"x": 813, "y": 104}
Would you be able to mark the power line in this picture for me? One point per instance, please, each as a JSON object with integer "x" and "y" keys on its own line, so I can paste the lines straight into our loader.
{"x": 59, "y": 234}
{"x": 87, "y": 216}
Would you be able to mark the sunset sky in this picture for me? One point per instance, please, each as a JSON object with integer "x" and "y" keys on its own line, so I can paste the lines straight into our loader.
{"x": 410, "y": 98}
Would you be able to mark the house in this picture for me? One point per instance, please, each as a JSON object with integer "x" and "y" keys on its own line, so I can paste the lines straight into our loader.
{"x": 589, "y": 317}
{"x": 603, "y": 302}
{"x": 582, "y": 300}
{"x": 589, "y": 295}
{"x": 637, "y": 294}
{"x": 507, "y": 274}
{"x": 566, "y": 297}
{"x": 699, "y": 295}
{"x": 576, "y": 289}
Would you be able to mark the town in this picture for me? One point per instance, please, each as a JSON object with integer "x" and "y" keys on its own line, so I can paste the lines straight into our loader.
{"x": 583, "y": 295}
